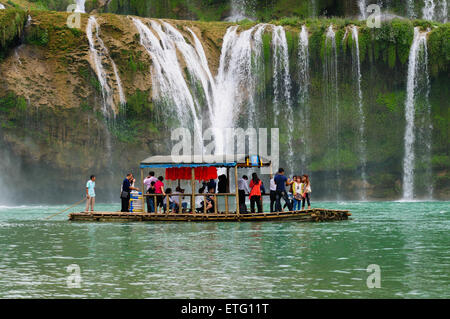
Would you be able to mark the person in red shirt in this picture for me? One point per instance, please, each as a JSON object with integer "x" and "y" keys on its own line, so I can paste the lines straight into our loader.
{"x": 159, "y": 189}
{"x": 255, "y": 193}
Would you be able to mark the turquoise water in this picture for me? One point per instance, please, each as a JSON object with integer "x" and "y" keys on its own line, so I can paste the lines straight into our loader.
{"x": 409, "y": 241}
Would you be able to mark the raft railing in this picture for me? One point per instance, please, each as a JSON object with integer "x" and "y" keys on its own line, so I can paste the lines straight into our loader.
{"x": 193, "y": 209}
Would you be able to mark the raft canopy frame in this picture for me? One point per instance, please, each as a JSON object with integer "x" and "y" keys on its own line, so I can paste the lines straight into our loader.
{"x": 203, "y": 161}
{"x": 192, "y": 161}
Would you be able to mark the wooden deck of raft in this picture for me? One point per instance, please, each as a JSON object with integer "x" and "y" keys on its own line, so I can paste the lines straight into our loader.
{"x": 310, "y": 215}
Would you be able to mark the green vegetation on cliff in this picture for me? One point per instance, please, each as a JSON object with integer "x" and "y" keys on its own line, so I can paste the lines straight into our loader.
{"x": 51, "y": 87}
{"x": 12, "y": 22}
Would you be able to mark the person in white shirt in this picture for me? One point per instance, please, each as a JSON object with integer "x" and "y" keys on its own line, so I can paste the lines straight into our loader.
{"x": 149, "y": 179}
{"x": 90, "y": 193}
{"x": 177, "y": 199}
{"x": 273, "y": 197}
{"x": 243, "y": 189}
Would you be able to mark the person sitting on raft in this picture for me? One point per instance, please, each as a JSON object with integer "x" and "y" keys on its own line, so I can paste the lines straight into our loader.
{"x": 177, "y": 200}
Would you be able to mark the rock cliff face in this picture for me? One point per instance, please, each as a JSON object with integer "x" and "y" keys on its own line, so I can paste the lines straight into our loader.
{"x": 62, "y": 119}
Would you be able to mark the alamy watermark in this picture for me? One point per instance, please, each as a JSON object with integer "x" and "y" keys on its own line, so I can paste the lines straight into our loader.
{"x": 216, "y": 145}
{"x": 374, "y": 279}
{"x": 74, "y": 279}
{"x": 73, "y": 20}
{"x": 374, "y": 19}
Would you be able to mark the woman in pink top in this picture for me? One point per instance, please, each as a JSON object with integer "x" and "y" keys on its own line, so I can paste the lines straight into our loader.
{"x": 159, "y": 189}
{"x": 255, "y": 193}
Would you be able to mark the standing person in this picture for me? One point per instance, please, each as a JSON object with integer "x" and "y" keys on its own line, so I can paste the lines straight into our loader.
{"x": 151, "y": 199}
{"x": 223, "y": 184}
{"x": 255, "y": 193}
{"x": 242, "y": 190}
{"x": 273, "y": 194}
{"x": 281, "y": 181}
{"x": 149, "y": 179}
{"x": 126, "y": 189}
{"x": 306, "y": 191}
{"x": 211, "y": 186}
{"x": 290, "y": 192}
{"x": 159, "y": 190}
{"x": 297, "y": 192}
{"x": 90, "y": 193}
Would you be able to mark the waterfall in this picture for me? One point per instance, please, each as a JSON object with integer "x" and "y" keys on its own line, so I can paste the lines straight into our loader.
{"x": 240, "y": 71}
{"x": 444, "y": 11}
{"x": 99, "y": 53}
{"x": 303, "y": 79}
{"x": 80, "y": 6}
{"x": 282, "y": 87}
{"x": 240, "y": 9}
{"x": 362, "y": 118}
{"x": 417, "y": 99}
{"x": 313, "y": 9}
{"x": 168, "y": 82}
{"x": 331, "y": 103}
{"x": 410, "y": 9}
{"x": 2, "y": 6}
{"x": 428, "y": 10}
{"x": 362, "y": 9}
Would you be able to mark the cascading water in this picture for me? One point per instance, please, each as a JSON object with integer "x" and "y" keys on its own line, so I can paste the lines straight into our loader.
{"x": 303, "y": 94}
{"x": 282, "y": 86}
{"x": 240, "y": 71}
{"x": 444, "y": 11}
{"x": 168, "y": 82}
{"x": 98, "y": 53}
{"x": 196, "y": 64}
{"x": 240, "y": 10}
{"x": 362, "y": 9}
{"x": 428, "y": 10}
{"x": 417, "y": 98}
{"x": 313, "y": 9}
{"x": 80, "y": 6}
{"x": 331, "y": 103}
{"x": 410, "y": 9}
{"x": 362, "y": 117}
{"x": 2, "y": 6}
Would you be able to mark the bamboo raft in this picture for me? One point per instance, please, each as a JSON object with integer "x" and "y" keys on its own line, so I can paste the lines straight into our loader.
{"x": 310, "y": 215}
{"x": 230, "y": 210}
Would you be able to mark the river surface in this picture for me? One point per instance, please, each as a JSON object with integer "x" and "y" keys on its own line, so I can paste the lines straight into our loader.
{"x": 410, "y": 242}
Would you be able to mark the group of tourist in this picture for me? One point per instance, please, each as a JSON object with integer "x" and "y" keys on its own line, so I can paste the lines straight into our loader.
{"x": 295, "y": 192}
{"x": 299, "y": 192}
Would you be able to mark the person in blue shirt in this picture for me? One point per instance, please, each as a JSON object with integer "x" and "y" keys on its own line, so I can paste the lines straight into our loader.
{"x": 281, "y": 181}
{"x": 126, "y": 189}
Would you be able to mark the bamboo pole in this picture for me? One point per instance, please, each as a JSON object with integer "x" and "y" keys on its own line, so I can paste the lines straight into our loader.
{"x": 194, "y": 211}
{"x": 204, "y": 204}
{"x": 215, "y": 204}
{"x": 237, "y": 189}
{"x": 167, "y": 204}
{"x": 143, "y": 190}
{"x": 77, "y": 203}
{"x": 226, "y": 204}
{"x": 228, "y": 180}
